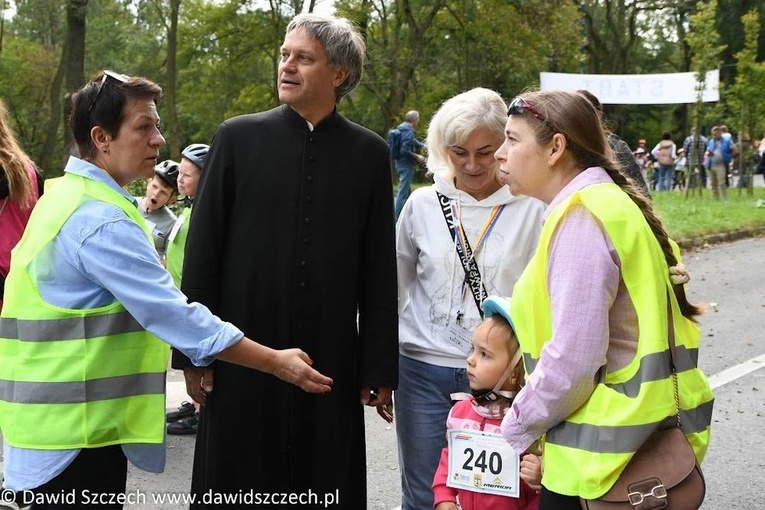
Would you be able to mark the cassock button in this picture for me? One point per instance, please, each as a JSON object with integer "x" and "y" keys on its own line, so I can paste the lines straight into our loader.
{"x": 308, "y": 220}
{"x": 308, "y": 199}
{"x": 309, "y": 178}
{"x": 305, "y": 240}
{"x": 302, "y": 263}
{"x": 310, "y": 139}
{"x": 299, "y": 327}
{"x": 302, "y": 285}
{"x": 310, "y": 158}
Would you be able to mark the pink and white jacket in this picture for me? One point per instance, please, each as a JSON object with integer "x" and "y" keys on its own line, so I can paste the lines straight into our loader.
{"x": 13, "y": 220}
{"x": 466, "y": 415}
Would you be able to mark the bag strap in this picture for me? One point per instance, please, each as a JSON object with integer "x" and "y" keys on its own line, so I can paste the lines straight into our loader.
{"x": 465, "y": 254}
{"x": 673, "y": 357}
{"x": 2, "y": 207}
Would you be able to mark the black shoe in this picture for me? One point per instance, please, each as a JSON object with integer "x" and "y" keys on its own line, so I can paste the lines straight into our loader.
{"x": 187, "y": 425}
{"x": 186, "y": 409}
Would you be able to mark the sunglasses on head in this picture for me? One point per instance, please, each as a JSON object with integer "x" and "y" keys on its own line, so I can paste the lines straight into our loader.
{"x": 122, "y": 78}
{"x": 518, "y": 105}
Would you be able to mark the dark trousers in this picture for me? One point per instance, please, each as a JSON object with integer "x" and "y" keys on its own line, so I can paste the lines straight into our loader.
{"x": 549, "y": 500}
{"x": 91, "y": 479}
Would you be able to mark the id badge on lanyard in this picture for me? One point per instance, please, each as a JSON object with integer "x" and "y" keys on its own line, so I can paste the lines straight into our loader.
{"x": 459, "y": 337}
{"x": 483, "y": 462}
{"x": 176, "y": 227}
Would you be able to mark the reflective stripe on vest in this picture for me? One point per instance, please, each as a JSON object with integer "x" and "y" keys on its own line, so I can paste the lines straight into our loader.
{"x": 68, "y": 329}
{"x": 625, "y": 439}
{"x": 585, "y": 454}
{"x": 652, "y": 368}
{"x": 19, "y": 392}
{"x": 72, "y": 378}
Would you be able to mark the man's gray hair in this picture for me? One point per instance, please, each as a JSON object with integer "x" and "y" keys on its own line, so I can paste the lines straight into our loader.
{"x": 341, "y": 40}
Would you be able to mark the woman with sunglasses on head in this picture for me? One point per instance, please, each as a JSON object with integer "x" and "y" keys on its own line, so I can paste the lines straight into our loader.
{"x": 457, "y": 240}
{"x": 87, "y": 301}
{"x": 593, "y": 307}
{"x": 20, "y": 187}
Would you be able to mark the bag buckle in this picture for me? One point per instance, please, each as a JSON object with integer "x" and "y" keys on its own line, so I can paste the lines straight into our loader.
{"x": 648, "y": 495}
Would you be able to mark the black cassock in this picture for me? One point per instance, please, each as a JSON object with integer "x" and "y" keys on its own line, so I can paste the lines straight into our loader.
{"x": 291, "y": 234}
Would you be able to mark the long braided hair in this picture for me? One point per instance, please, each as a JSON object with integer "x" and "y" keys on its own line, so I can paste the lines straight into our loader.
{"x": 574, "y": 116}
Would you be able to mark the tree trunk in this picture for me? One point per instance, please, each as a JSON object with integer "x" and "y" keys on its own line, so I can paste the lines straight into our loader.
{"x": 51, "y": 132}
{"x": 70, "y": 68}
{"x": 2, "y": 26}
{"x": 171, "y": 86}
{"x": 76, "y": 11}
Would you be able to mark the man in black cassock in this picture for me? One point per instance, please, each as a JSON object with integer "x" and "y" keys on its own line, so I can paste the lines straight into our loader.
{"x": 291, "y": 236}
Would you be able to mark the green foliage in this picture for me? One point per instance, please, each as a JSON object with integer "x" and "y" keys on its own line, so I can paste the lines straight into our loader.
{"x": 423, "y": 52}
{"x": 420, "y": 53}
{"x": 707, "y": 48}
{"x": 25, "y": 70}
{"x": 745, "y": 97}
{"x": 121, "y": 38}
{"x": 687, "y": 219}
{"x": 226, "y": 53}
{"x": 40, "y": 21}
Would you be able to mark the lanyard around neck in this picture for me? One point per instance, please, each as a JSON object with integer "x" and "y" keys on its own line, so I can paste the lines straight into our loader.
{"x": 459, "y": 231}
{"x": 466, "y": 255}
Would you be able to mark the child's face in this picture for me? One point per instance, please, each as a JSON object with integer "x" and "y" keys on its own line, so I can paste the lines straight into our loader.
{"x": 158, "y": 194}
{"x": 489, "y": 358}
{"x": 188, "y": 178}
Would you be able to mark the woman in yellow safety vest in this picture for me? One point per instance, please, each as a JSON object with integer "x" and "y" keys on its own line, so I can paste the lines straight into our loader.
{"x": 89, "y": 311}
{"x": 592, "y": 309}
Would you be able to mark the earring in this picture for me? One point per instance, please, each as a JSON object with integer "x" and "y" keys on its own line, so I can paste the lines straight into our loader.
{"x": 105, "y": 149}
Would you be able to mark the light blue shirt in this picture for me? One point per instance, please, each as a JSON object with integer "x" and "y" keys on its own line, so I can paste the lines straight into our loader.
{"x": 101, "y": 256}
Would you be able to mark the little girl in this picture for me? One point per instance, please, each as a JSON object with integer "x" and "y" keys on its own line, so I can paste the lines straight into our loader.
{"x": 495, "y": 374}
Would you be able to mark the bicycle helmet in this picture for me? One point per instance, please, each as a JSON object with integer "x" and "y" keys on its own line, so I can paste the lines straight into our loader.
{"x": 168, "y": 172}
{"x": 196, "y": 153}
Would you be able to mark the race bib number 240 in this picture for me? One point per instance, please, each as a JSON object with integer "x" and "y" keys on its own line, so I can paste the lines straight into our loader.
{"x": 483, "y": 462}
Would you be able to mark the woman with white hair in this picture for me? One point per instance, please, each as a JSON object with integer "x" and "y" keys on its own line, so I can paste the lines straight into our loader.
{"x": 458, "y": 240}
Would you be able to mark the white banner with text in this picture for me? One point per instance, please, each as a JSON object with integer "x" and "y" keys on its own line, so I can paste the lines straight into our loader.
{"x": 669, "y": 88}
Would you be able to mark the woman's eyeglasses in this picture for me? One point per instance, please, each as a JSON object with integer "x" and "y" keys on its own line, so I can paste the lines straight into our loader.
{"x": 122, "y": 78}
{"x": 518, "y": 105}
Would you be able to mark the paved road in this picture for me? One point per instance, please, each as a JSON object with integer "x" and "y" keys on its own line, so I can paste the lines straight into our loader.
{"x": 729, "y": 279}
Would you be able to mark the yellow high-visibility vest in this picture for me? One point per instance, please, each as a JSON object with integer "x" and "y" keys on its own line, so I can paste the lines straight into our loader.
{"x": 585, "y": 454}
{"x": 75, "y": 378}
{"x": 176, "y": 248}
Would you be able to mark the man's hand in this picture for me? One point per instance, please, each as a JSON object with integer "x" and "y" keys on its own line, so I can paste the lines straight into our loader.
{"x": 379, "y": 397}
{"x": 386, "y": 412}
{"x": 373, "y": 396}
{"x": 199, "y": 382}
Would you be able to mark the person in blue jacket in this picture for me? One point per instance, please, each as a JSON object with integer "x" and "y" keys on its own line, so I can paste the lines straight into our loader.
{"x": 719, "y": 155}
{"x": 407, "y": 159}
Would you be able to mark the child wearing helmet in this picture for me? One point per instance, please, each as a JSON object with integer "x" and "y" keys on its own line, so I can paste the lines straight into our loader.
{"x": 189, "y": 172}
{"x": 186, "y": 419}
{"x": 161, "y": 191}
{"x": 478, "y": 468}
